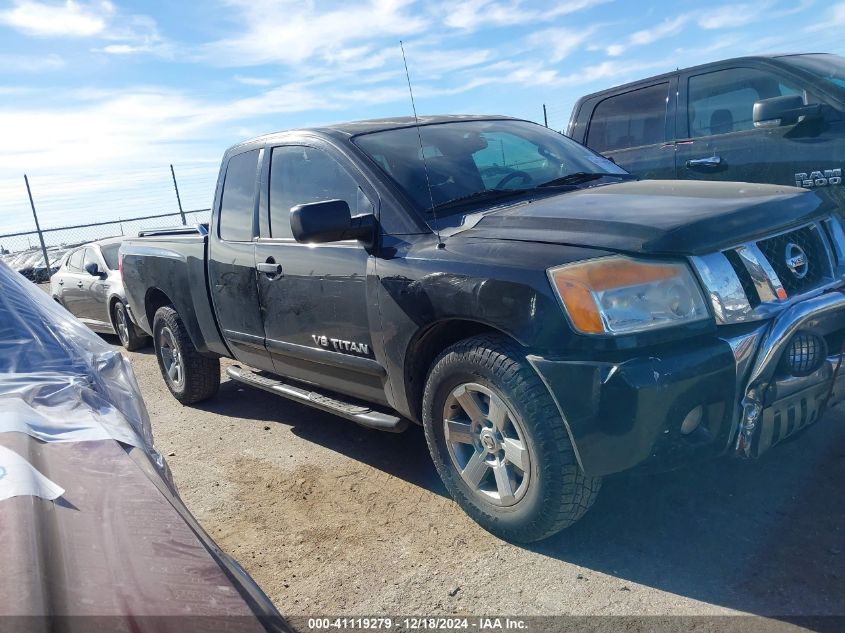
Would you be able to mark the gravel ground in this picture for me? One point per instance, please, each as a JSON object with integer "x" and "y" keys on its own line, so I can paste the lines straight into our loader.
{"x": 331, "y": 518}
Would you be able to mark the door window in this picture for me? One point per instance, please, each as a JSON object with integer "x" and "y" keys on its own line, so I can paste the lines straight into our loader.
{"x": 632, "y": 119}
{"x": 91, "y": 258}
{"x": 238, "y": 200}
{"x": 722, "y": 102}
{"x": 299, "y": 175}
{"x": 74, "y": 262}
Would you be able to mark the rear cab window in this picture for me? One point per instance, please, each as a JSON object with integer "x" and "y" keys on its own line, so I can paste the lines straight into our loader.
{"x": 237, "y": 204}
{"x": 631, "y": 119}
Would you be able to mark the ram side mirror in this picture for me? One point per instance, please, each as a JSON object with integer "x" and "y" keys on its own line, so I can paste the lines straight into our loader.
{"x": 782, "y": 111}
{"x": 92, "y": 269}
{"x": 330, "y": 221}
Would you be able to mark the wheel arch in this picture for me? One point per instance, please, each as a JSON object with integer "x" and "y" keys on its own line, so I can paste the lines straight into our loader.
{"x": 428, "y": 343}
{"x": 154, "y": 299}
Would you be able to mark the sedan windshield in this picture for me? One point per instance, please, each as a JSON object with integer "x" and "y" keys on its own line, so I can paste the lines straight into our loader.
{"x": 831, "y": 68}
{"x": 452, "y": 166}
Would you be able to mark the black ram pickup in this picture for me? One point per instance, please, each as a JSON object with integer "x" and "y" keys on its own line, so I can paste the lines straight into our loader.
{"x": 548, "y": 318}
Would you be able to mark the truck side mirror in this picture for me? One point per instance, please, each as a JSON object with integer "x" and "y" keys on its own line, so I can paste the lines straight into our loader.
{"x": 330, "y": 221}
{"x": 92, "y": 269}
{"x": 782, "y": 111}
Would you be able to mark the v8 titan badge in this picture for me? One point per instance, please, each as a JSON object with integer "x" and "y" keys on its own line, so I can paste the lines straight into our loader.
{"x": 826, "y": 178}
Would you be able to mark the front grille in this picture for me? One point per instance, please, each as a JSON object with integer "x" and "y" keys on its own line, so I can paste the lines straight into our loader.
{"x": 793, "y": 263}
{"x": 806, "y": 241}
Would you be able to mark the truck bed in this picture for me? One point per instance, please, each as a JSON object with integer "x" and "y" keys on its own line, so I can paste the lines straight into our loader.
{"x": 169, "y": 267}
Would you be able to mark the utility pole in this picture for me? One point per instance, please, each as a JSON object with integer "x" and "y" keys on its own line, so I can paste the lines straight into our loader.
{"x": 178, "y": 199}
{"x": 545, "y": 116}
{"x": 38, "y": 227}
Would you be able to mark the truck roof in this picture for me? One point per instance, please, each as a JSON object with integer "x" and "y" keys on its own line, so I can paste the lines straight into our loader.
{"x": 719, "y": 62}
{"x": 354, "y": 128}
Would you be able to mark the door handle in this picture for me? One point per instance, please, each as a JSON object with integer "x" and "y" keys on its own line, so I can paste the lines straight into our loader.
{"x": 61, "y": 282}
{"x": 79, "y": 284}
{"x": 270, "y": 268}
{"x": 710, "y": 161}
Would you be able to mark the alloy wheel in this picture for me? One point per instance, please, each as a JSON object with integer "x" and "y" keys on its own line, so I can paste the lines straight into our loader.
{"x": 486, "y": 443}
{"x": 171, "y": 358}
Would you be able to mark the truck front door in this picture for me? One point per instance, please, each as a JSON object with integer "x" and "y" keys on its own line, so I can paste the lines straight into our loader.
{"x": 315, "y": 299}
{"x": 718, "y": 139}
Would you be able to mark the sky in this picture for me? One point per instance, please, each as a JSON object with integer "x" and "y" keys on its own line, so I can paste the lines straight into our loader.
{"x": 98, "y": 98}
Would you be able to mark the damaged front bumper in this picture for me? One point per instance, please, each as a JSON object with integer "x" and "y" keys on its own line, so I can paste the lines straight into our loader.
{"x": 774, "y": 404}
{"x": 625, "y": 413}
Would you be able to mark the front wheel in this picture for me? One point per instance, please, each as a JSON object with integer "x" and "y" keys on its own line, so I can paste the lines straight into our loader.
{"x": 499, "y": 443}
{"x": 190, "y": 376}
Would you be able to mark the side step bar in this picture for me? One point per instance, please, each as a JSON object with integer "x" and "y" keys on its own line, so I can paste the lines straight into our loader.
{"x": 361, "y": 414}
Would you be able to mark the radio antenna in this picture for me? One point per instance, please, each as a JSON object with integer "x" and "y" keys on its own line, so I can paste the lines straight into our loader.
{"x": 422, "y": 151}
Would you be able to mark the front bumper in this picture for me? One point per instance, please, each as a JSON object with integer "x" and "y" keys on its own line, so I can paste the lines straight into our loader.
{"x": 773, "y": 406}
{"x": 627, "y": 413}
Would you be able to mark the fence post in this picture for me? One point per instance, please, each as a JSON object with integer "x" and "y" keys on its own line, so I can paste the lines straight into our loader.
{"x": 178, "y": 199}
{"x": 38, "y": 227}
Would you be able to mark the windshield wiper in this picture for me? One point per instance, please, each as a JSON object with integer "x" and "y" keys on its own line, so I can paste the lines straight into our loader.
{"x": 580, "y": 177}
{"x": 485, "y": 195}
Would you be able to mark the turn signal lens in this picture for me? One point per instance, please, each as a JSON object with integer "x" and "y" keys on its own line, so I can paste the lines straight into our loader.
{"x": 620, "y": 295}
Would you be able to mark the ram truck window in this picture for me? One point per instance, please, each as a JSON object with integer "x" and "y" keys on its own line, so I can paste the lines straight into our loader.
{"x": 548, "y": 318}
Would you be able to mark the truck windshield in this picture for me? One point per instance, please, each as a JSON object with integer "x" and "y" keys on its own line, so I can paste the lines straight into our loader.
{"x": 831, "y": 68}
{"x": 467, "y": 163}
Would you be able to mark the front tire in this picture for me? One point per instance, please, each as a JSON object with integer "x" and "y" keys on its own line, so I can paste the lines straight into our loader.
{"x": 128, "y": 334}
{"x": 190, "y": 376}
{"x": 499, "y": 443}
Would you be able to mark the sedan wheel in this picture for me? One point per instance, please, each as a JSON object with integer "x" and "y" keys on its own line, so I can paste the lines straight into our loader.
{"x": 122, "y": 325}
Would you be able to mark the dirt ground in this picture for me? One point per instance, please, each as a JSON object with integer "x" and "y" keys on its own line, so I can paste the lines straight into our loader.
{"x": 331, "y": 518}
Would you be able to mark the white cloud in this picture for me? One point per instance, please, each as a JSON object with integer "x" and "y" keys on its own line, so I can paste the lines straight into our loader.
{"x": 470, "y": 15}
{"x": 69, "y": 19}
{"x": 670, "y": 26}
{"x": 835, "y": 18}
{"x": 253, "y": 81}
{"x": 292, "y": 32}
{"x": 558, "y": 43}
{"x": 733, "y": 16}
{"x": 724, "y": 17}
{"x": 130, "y": 34}
{"x": 31, "y": 63}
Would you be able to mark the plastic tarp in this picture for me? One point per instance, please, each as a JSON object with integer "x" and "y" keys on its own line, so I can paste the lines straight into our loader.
{"x": 94, "y": 534}
{"x": 58, "y": 380}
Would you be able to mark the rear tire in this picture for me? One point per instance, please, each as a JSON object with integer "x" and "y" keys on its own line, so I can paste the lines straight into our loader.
{"x": 190, "y": 376}
{"x": 510, "y": 464}
{"x": 128, "y": 334}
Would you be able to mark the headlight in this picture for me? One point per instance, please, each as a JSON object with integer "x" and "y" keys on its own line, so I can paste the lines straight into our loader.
{"x": 620, "y": 295}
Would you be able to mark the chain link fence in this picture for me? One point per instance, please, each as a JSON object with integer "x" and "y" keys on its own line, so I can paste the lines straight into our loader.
{"x": 22, "y": 250}
{"x": 66, "y": 209}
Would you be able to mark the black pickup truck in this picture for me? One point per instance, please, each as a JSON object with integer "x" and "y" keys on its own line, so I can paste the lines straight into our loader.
{"x": 548, "y": 318}
{"x": 777, "y": 119}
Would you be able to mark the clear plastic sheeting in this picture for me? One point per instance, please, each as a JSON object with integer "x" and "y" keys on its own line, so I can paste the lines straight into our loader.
{"x": 61, "y": 382}
{"x": 19, "y": 478}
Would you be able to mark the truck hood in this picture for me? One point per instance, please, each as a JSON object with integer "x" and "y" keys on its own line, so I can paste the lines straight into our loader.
{"x": 681, "y": 217}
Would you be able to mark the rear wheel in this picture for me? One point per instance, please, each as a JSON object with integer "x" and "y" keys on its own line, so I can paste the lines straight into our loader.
{"x": 128, "y": 334}
{"x": 190, "y": 376}
{"x": 499, "y": 443}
